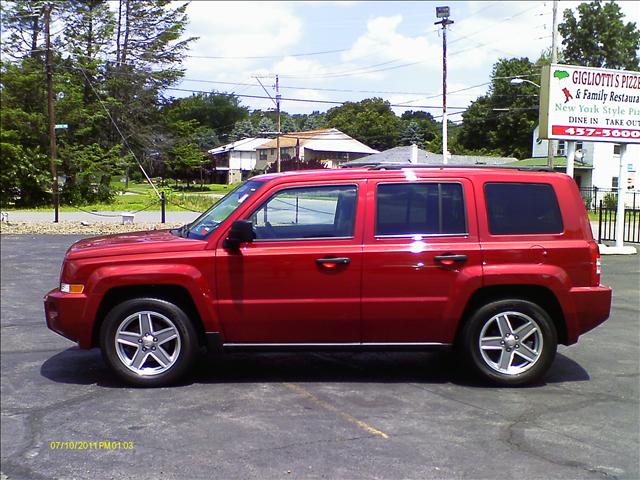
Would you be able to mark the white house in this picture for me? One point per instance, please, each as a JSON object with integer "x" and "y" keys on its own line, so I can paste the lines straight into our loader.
{"x": 328, "y": 145}
{"x": 234, "y": 162}
{"x": 600, "y": 163}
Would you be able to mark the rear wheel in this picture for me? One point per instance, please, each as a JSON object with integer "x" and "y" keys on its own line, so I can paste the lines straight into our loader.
{"x": 148, "y": 342}
{"x": 510, "y": 342}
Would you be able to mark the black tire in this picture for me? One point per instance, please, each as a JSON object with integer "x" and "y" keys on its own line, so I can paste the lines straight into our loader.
{"x": 506, "y": 357}
{"x": 154, "y": 358}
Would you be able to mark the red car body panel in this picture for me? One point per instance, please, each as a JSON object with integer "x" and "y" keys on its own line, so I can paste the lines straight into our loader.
{"x": 392, "y": 291}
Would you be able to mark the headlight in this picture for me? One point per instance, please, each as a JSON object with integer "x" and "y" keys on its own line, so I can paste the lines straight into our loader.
{"x": 71, "y": 288}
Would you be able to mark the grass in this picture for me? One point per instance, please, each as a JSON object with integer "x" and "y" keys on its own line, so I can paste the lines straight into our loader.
{"x": 140, "y": 196}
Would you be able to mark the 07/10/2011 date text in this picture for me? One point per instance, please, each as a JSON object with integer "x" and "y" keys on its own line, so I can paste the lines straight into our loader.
{"x": 91, "y": 445}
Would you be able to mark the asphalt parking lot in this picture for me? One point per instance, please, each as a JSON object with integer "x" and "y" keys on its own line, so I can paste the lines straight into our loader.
{"x": 342, "y": 416}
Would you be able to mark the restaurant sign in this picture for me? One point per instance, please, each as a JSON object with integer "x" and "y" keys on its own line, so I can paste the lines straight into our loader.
{"x": 589, "y": 104}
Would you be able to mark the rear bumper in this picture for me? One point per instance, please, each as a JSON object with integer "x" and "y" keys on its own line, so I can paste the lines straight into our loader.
{"x": 64, "y": 315}
{"x": 592, "y": 307}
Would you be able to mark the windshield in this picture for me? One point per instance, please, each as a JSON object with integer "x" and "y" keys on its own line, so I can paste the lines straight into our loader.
{"x": 209, "y": 220}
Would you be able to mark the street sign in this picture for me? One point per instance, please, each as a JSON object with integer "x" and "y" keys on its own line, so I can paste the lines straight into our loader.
{"x": 589, "y": 104}
{"x": 442, "y": 12}
{"x": 61, "y": 126}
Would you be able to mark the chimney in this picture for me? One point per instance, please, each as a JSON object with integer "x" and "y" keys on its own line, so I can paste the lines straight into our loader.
{"x": 414, "y": 153}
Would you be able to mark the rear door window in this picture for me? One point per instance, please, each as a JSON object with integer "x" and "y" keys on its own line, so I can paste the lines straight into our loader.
{"x": 420, "y": 209}
{"x": 522, "y": 208}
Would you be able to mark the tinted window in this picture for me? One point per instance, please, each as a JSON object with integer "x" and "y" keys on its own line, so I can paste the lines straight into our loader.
{"x": 521, "y": 208}
{"x": 310, "y": 212}
{"x": 420, "y": 208}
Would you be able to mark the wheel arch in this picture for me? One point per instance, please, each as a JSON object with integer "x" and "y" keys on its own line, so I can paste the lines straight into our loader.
{"x": 537, "y": 294}
{"x": 175, "y": 294}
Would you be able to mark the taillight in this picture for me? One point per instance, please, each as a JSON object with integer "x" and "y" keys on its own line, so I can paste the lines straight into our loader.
{"x": 596, "y": 267}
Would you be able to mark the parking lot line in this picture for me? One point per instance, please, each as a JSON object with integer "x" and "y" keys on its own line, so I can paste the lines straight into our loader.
{"x": 327, "y": 406}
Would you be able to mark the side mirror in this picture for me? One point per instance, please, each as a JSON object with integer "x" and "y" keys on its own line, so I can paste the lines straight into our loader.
{"x": 241, "y": 232}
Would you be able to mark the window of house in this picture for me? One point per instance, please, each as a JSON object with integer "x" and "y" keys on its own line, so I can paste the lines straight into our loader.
{"x": 614, "y": 182}
{"x": 616, "y": 149}
{"x": 522, "y": 208}
{"x": 561, "y": 148}
{"x": 307, "y": 212}
{"x": 420, "y": 209}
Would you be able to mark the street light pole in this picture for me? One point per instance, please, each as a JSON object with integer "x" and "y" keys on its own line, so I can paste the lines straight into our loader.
{"x": 443, "y": 13}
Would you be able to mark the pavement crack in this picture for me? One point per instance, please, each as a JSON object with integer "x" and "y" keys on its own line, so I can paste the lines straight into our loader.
{"x": 34, "y": 418}
{"x": 515, "y": 436}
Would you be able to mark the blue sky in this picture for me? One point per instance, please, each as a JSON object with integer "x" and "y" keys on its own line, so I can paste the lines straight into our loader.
{"x": 392, "y": 48}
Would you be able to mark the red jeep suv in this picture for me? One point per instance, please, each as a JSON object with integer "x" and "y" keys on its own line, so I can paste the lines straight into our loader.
{"x": 500, "y": 263}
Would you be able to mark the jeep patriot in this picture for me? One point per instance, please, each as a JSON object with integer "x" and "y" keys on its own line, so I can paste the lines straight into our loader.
{"x": 499, "y": 263}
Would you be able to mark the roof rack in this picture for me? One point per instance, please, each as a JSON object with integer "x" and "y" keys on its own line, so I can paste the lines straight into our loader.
{"x": 399, "y": 166}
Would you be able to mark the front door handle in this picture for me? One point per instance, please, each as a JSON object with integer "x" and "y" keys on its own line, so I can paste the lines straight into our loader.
{"x": 333, "y": 262}
{"x": 450, "y": 259}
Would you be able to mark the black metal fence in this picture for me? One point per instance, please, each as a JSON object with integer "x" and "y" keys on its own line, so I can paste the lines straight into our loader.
{"x": 593, "y": 196}
{"x": 607, "y": 224}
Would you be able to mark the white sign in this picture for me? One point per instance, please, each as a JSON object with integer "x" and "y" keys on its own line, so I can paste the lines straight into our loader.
{"x": 589, "y": 104}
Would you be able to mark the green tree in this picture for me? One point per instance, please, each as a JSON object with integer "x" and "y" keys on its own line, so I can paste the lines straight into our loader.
{"x": 89, "y": 172}
{"x": 411, "y": 134}
{"x": 22, "y": 24}
{"x": 501, "y": 122}
{"x": 266, "y": 125}
{"x": 184, "y": 160}
{"x": 371, "y": 121}
{"x": 313, "y": 121}
{"x": 243, "y": 129}
{"x": 599, "y": 37}
{"x": 287, "y": 124}
{"x": 218, "y": 112}
{"x": 149, "y": 50}
{"x": 427, "y": 126}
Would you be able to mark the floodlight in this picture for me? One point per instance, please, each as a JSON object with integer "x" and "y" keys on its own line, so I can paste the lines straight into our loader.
{"x": 442, "y": 12}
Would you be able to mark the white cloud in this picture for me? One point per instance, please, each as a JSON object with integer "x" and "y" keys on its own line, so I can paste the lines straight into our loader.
{"x": 382, "y": 41}
{"x": 243, "y": 28}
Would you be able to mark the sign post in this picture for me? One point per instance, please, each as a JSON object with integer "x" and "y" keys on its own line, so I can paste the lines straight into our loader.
{"x": 593, "y": 105}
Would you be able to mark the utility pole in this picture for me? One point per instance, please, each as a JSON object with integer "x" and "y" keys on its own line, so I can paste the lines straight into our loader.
{"x": 443, "y": 13}
{"x": 554, "y": 59}
{"x": 52, "y": 121}
{"x": 278, "y": 125}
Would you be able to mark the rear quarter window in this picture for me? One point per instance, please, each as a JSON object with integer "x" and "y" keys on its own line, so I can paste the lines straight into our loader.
{"x": 522, "y": 208}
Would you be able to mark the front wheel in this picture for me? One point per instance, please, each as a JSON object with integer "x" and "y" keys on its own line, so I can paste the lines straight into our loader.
{"x": 148, "y": 342}
{"x": 510, "y": 342}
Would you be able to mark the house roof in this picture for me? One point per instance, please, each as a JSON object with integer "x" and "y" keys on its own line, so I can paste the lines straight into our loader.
{"x": 402, "y": 155}
{"x": 244, "y": 145}
{"x": 324, "y": 140}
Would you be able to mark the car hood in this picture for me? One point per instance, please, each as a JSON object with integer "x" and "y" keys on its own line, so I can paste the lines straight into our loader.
{"x": 154, "y": 241}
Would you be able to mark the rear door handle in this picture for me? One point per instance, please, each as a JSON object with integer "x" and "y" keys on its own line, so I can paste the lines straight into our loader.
{"x": 333, "y": 262}
{"x": 450, "y": 259}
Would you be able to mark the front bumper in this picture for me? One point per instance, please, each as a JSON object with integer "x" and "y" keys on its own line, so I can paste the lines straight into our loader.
{"x": 64, "y": 313}
{"x": 592, "y": 307}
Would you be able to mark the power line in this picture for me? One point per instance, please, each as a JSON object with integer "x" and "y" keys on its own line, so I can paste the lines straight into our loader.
{"x": 500, "y": 21}
{"x": 306, "y": 100}
{"x": 265, "y": 57}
